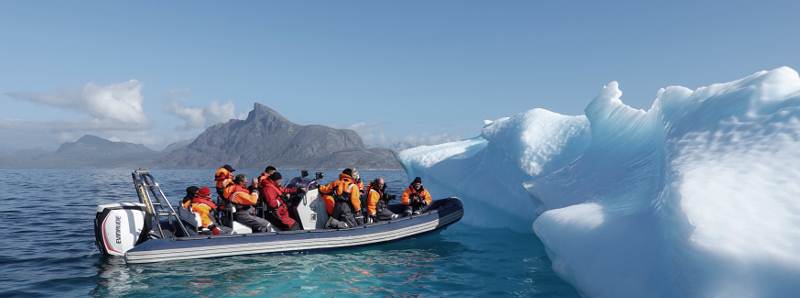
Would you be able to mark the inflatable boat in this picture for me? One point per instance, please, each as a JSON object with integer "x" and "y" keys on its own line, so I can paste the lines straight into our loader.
{"x": 152, "y": 230}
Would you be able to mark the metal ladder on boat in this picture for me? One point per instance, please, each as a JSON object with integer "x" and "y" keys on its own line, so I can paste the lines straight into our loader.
{"x": 147, "y": 188}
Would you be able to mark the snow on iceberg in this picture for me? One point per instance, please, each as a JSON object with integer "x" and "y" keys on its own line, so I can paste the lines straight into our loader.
{"x": 698, "y": 196}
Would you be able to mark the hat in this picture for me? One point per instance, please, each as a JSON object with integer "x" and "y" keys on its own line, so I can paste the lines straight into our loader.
{"x": 204, "y": 191}
{"x": 270, "y": 168}
{"x": 275, "y": 176}
{"x": 303, "y": 173}
{"x": 417, "y": 180}
{"x": 348, "y": 172}
{"x": 229, "y": 168}
{"x": 191, "y": 191}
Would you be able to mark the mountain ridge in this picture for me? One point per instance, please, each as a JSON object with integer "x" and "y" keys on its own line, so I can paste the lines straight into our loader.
{"x": 267, "y": 137}
{"x": 263, "y": 137}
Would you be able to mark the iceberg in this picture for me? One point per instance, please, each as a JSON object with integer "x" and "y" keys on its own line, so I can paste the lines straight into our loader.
{"x": 697, "y": 196}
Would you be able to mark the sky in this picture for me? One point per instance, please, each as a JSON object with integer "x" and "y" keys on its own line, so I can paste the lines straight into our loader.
{"x": 155, "y": 72}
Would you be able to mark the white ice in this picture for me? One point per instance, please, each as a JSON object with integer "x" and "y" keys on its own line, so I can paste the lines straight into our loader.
{"x": 698, "y": 196}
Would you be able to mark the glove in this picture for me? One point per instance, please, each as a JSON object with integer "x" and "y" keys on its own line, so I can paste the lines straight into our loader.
{"x": 360, "y": 220}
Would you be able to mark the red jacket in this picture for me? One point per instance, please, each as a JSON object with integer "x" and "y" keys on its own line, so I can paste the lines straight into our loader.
{"x": 272, "y": 192}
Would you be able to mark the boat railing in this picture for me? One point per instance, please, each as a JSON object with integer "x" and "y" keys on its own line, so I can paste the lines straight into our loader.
{"x": 147, "y": 188}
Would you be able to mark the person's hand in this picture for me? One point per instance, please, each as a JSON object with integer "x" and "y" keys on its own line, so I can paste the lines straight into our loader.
{"x": 359, "y": 219}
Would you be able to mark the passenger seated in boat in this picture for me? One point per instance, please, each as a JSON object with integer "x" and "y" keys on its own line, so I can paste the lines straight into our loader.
{"x": 262, "y": 177}
{"x": 378, "y": 202}
{"x": 357, "y": 179}
{"x": 416, "y": 198}
{"x": 359, "y": 211}
{"x": 191, "y": 191}
{"x": 244, "y": 201}
{"x": 222, "y": 177}
{"x": 277, "y": 208}
{"x": 341, "y": 198}
{"x": 202, "y": 205}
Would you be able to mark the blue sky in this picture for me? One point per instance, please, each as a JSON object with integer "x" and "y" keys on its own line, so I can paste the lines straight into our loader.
{"x": 413, "y": 69}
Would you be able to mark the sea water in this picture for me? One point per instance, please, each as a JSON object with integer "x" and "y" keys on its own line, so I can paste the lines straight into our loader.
{"x": 47, "y": 249}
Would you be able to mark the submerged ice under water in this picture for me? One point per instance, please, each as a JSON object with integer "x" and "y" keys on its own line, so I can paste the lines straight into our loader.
{"x": 698, "y": 196}
{"x": 47, "y": 249}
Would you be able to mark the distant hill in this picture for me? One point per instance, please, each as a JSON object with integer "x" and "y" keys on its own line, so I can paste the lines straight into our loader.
{"x": 177, "y": 145}
{"x": 266, "y": 137}
{"x": 94, "y": 150}
{"x": 87, "y": 152}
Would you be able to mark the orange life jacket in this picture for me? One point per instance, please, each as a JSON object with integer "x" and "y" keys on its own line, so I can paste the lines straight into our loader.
{"x": 373, "y": 197}
{"x": 204, "y": 200}
{"x": 220, "y": 176}
{"x": 410, "y": 192}
{"x": 238, "y": 194}
{"x": 344, "y": 190}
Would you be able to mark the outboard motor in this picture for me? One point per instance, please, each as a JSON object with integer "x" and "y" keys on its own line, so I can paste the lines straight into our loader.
{"x": 118, "y": 226}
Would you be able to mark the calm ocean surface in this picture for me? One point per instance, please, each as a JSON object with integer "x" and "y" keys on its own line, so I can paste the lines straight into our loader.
{"x": 47, "y": 249}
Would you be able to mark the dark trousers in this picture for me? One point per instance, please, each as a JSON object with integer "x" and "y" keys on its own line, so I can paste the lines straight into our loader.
{"x": 248, "y": 218}
{"x": 344, "y": 213}
{"x": 416, "y": 208}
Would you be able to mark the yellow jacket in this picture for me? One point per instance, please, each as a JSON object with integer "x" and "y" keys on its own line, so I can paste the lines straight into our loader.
{"x": 372, "y": 202}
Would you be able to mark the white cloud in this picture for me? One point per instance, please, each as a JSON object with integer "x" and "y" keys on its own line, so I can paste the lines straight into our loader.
{"x": 193, "y": 117}
{"x": 110, "y": 111}
{"x": 216, "y": 113}
{"x": 201, "y": 117}
{"x": 114, "y": 106}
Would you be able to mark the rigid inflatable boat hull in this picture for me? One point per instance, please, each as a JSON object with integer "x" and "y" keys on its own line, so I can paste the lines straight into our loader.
{"x": 443, "y": 212}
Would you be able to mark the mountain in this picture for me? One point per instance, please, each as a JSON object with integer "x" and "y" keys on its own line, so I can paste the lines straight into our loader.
{"x": 177, "y": 145}
{"x": 266, "y": 137}
{"x": 87, "y": 152}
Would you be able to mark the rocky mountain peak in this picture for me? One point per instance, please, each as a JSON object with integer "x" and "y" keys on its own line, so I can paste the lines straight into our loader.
{"x": 264, "y": 113}
{"x": 92, "y": 140}
{"x": 266, "y": 137}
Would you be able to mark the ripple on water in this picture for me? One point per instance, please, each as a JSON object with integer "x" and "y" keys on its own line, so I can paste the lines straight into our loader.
{"x": 50, "y": 251}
